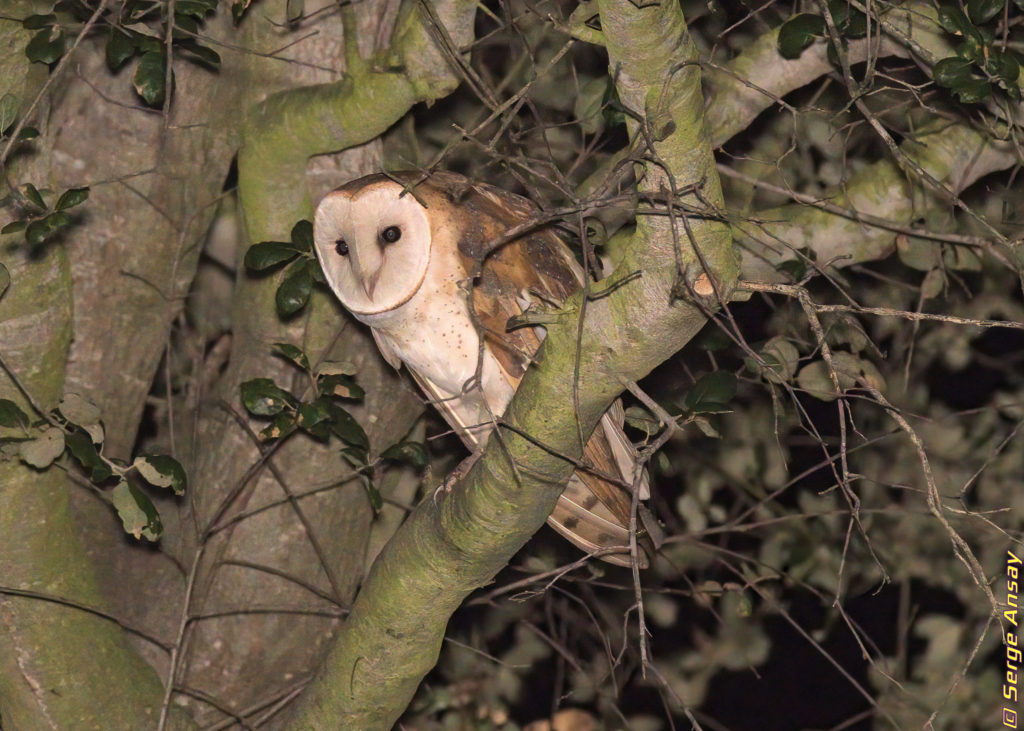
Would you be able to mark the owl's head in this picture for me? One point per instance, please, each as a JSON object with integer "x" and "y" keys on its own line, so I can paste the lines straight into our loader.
{"x": 373, "y": 241}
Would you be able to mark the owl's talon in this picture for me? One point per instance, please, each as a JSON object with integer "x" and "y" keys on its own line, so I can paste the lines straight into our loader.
{"x": 461, "y": 470}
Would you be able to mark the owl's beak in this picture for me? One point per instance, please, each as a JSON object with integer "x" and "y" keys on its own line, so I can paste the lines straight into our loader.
{"x": 370, "y": 284}
{"x": 368, "y": 272}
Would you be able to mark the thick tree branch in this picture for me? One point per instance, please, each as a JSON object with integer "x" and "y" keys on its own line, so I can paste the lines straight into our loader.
{"x": 739, "y": 90}
{"x": 60, "y": 667}
{"x": 861, "y": 223}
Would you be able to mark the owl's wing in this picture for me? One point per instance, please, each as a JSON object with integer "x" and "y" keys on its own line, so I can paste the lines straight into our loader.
{"x": 464, "y": 412}
{"x": 538, "y": 269}
{"x": 458, "y": 410}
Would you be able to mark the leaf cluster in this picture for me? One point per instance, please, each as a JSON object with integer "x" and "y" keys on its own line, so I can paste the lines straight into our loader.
{"x": 135, "y": 29}
{"x": 986, "y": 55}
{"x": 985, "y": 59}
{"x": 301, "y": 272}
{"x": 74, "y": 430}
{"x": 800, "y": 31}
{"x": 321, "y": 415}
{"x": 40, "y": 220}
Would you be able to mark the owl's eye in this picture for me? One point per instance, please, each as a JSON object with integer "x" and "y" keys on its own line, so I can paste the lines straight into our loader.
{"x": 341, "y": 246}
{"x": 391, "y": 234}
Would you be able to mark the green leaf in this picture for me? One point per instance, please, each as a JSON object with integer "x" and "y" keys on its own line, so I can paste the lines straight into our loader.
{"x": 185, "y": 28}
{"x": 262, "y": 397}
{"x": 356, "y": 457}
{"x": 160, "y": 470}
{"x": 293, "y": 293}
{"x": 798, "y": 33}
{"x": 952, "y": 20}
{"x": 711, "y": 392}
{"x": 146, "y": 43}
{"x": 973, "y": 48}
{"x": 982, "y": 11}
{"x": 11, "y": 415}
{"x": 347, "y": 428}
{"x": 33, "y": 196}
{"x": 150, "y": 77}
{"x": 780, "y": 357}
{"x": 238, "y": 10}
{"x": 1005, "y": 66}
{"x": 5, "y": 279}
{"x": 340, "y": 386}
{"x": 58, "y": 220}
{"x": 337, "y": 368}
{"x": 315, "y": 418}
{"x": 411, "y": 453}
{"x": 195, "y": 8}
{"x": 795, "y": 268}
{"x": 203, "y": 54}
{"x": 14, "y": 227}
{"x": 79, "y": 410}
{"x": 294, "y": 10}
{"x": 46, "y": 46}
{"x": 933, "y": 284}
{"x": 972, "y": 92}
{"x": 137, "y": 512}
{"x": 961, "y": 258}
{"x": 35, "y": 22}
{"x": 952, "y": 71}
{"x": 282, "y": 425}
{"x": 81, "y": 447}
{"x": 302, "y": 235}
{"x": 38, "y": 231}
{"x": 376, "y": 501}
{"x": 713, "y": 339}
{"x": 706, "y": 427}
{"x": 268, "y": 254}
{"x": 8, "y": 112}
{"x": 917, "y": 253}
{"x": 120, "y": 48}
{"x": 850, "y": 22}
{"x": 71, "y": 198}
{"x": 816, "y": 380}
{"x": 44, "y": 449}
{"x": 643, "y": 420}
{"x": 292, "y": 353}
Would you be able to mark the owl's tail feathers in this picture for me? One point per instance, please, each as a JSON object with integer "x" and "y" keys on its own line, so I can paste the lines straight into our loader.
{"x": 587, "y": 522}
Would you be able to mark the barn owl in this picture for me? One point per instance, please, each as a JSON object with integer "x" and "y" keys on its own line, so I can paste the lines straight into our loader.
{"x": 400, "y": 252}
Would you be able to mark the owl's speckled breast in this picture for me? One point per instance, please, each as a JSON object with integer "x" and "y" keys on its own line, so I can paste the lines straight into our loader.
{"x": 435, "y": 336}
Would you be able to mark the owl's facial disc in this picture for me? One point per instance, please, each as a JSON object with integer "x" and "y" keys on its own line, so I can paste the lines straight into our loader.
{"x": 374, "y": 246}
